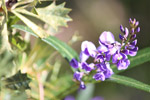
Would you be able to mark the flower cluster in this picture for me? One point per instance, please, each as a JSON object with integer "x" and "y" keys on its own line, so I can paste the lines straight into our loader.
{"x": 109, "y": 51}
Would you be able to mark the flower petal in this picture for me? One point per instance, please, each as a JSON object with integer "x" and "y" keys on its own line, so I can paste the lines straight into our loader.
{"x": 74, "y": 63}
{"x": 106, "y": 38}
{"x": 88, "y": 48}
{"x": 83, "y": 57}
{"x": 78, "y": 75}
{"x": 99, "y": 76}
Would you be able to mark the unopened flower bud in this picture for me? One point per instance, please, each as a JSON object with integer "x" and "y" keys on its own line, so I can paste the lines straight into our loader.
{"x": 121, "y": 28}
{"x": 134, "y": 42}
{"x": 130, "y": 20}
{"x": 137, "y": 23}
{"x": 132, "y": 31}
{"x": 121, "y": 37}
{"x": 134, "y": 21}
{"x": 135, "y": 49}
{"x": 138, "y": 29}
{"x": 126, "y": 31}
{"x": 82, "y": 85}
{"x": 133, "y": 36}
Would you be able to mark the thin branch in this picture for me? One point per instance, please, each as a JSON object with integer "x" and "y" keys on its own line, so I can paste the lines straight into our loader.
{"x": 41, "y": 88}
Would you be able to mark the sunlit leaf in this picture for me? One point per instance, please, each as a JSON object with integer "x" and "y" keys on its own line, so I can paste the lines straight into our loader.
{"x": 54, "y": 15}
{"x": 130, "y": 82}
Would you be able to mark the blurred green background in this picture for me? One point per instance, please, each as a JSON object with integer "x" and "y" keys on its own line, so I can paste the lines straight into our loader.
{"x": 92, "y": 17}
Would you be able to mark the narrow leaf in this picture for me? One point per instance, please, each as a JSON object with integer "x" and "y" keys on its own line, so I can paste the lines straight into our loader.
{"x": 65, "y": 50}
{"x": 130, "y": 82}
{"x": 62, "y": 47}
{"x": 141, "y": 57}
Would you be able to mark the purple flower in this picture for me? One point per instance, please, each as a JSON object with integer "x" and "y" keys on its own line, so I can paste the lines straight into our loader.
{"x": 121, "y": 37}
{"x": 132, "y": 48}
{"x": 125, "y": 51}
{"x": 100, "y": 58}
{"x": 102, "y": 49}
{"x": 82, "y": 85}
{"x": 138, "y": 30}
{"x": 118, "y": 56}
{"x": 105, "y": 68}
{"x": 133, "y": 42}
{"x": 116, "y": 47}
{"x": 78, "y": 75}
{"x": 126, "y": 32}
{"x": 120, "y": 60}
{"x": 108, "y": 72}
{"x": 88, "y": 48}
{"x": 109, "y": 51}
{"x": 99, "y": 76}
{"x": 83, "y": 57}
{"x": 101, "y": 67}
{"x": 123, "y": 64}
{"x": 133, "y": 52}
{"x": 133, "y": 36}
{"x": 74, "y": 63}
{"x": 137, "y": 23}
{"x": 121, "y": 28}
{"x": 87, "y": 67}
{"x": 107, "y": 56}
{"x": 106, "y": 38}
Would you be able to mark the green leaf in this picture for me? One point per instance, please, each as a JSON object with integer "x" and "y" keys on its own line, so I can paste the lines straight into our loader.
{"x": 86, "y": 94}
{"x": 36, "y": 29}
{"x": 130, "y": 82}
{"x": 141, "y": 57}
{"x": 62, "y": 47}
{"x": 18, "y": 82}
{"x": 65, "y": 50}
{"x": 54, "y": 15}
